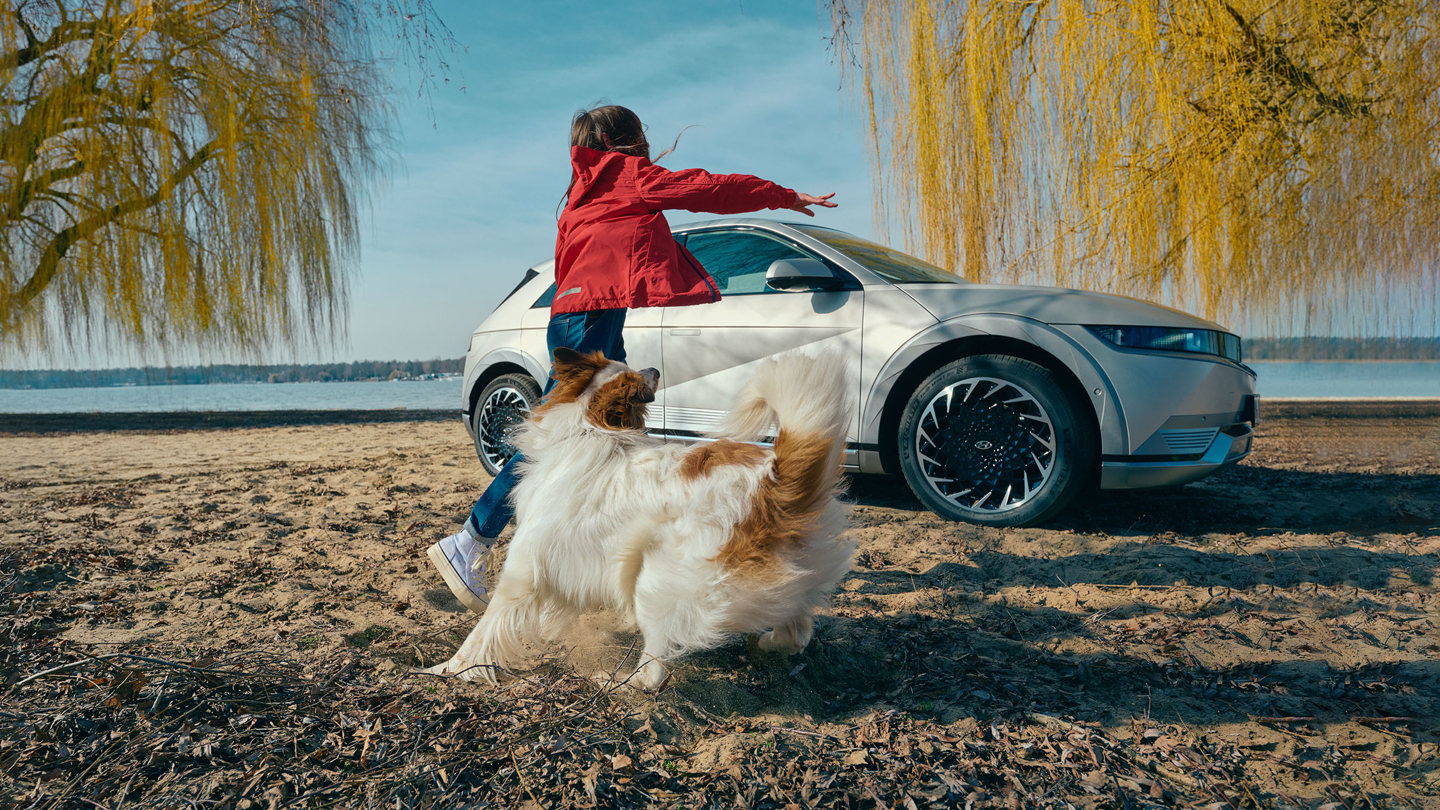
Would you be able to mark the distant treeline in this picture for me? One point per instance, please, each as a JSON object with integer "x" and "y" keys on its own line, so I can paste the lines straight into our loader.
{"x": 1333, "y": 348}
{"x": 1306, "y": 348}
{"x": 198, "y": 375}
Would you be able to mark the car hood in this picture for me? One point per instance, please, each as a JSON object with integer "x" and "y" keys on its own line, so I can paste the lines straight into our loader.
{"x": 1049, "y": 305}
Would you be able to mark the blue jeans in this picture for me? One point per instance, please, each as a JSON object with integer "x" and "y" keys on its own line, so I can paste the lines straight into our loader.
{"x": 584, "y": 332}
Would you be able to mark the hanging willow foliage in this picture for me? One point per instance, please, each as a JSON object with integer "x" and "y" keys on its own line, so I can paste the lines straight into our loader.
{"x": 183, "y": 172}
{"x": 1271, "y": 164}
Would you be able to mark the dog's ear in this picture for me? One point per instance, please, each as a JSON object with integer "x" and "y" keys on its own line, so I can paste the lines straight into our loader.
{"x": 566, "y": 357}
{"x": 569, "y": 364}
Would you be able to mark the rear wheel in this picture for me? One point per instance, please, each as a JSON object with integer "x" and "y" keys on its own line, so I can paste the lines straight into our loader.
{"x": 502, "y": 406}
{"x": 994, "y": 439}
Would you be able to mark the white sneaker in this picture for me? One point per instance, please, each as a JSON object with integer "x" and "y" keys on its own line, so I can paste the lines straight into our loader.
{"x": 461, "y": 561}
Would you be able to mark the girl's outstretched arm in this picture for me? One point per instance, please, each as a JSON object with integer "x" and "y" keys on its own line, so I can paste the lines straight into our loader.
{"x": 699, "y": 190}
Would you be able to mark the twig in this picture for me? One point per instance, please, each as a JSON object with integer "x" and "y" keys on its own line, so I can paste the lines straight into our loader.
{"x": 1215, "y": 790}
{"x": 1136, "y": 585}
{"x": 111, "y": 656}
{"x": 63, "y": 667}
{"x": 342, "y": 672}
{"x": 1331, "y": 790}
{"x": 521, "y": 776}
{"x": 815, "y": 734}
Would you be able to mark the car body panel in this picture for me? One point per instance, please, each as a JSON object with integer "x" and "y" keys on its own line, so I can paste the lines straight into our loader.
{"x": 892, "y": 318}
{"x": 711, "y": 350}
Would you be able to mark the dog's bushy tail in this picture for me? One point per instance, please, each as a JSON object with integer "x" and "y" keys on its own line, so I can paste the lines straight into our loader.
{"x": 805, "y": 402}
{"x": 800, "y": 393}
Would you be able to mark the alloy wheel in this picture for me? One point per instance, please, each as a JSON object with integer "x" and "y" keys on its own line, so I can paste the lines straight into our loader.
{"x": 985, "y": 445}
{"x": 501, "y": 412}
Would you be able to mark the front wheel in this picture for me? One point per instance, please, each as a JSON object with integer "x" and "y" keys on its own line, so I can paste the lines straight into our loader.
{"x": 502, "y": 406}
{"x": 994, "y": 439}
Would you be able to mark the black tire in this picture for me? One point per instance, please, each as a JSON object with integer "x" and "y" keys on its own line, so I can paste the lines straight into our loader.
{"x": 995, "y": 440}
{"x": 500, "y": 408}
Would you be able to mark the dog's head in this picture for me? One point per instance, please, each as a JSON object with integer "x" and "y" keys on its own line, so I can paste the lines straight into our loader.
{"x": 612, "y": 394}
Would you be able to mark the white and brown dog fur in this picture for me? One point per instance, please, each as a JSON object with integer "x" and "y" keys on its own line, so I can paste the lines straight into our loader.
{"x": 691, "y": 543}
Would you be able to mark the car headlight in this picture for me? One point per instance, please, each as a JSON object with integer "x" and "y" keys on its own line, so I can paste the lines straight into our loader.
{"x": 1169, "y": 339}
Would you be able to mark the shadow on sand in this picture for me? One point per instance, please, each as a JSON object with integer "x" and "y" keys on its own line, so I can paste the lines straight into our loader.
{"x": 1243, "y": 499}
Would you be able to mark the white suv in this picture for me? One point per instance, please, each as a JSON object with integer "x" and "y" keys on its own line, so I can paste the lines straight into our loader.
{"x": 997, "y": 403}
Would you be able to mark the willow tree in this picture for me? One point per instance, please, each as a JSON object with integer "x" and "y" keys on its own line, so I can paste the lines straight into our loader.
{"x": 1246, "y": 158}
{"x": 183, "y": 172}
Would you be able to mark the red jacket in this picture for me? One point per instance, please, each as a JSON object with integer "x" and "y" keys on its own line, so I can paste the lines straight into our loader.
{"x": 614, "y": 249}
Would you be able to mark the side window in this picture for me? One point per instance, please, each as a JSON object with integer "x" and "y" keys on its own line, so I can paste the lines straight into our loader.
{"x": 738, "y": 259}
{"x": 546, "y": 299}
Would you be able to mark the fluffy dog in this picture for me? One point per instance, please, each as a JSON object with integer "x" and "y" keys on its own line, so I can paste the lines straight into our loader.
{"x": 688, "y": 543}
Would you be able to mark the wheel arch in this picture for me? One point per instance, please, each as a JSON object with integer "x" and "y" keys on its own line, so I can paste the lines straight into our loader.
{"x": 969, "y": 342}
{"x": 493, "y": 365}
{"x": 490, "y": 374}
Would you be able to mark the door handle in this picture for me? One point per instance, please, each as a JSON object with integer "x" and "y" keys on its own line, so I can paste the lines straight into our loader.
{"x": 684, "y": 332}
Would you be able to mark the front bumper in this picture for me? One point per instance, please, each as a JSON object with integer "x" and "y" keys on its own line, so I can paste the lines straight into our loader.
{"x": 1227, "y": 446}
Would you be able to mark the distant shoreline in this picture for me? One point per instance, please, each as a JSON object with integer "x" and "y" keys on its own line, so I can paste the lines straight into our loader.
{"x": 165, "y": 376}
{"x": 176, "y": 421}
{"x": 187, "y": 383}
{"x": 1258, "y": 351}
{"x": 1342, "y": 360}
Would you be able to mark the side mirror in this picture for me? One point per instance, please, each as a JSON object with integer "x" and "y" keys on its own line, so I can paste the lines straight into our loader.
{"x": 801, "y": 274}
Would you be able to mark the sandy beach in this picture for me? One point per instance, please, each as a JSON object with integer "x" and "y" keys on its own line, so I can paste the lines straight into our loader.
{"x": 1268, "y": 637}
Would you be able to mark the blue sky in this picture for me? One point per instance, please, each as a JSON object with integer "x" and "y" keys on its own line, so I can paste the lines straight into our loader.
{"x": 486, "y": 159}
{"x": 483, "y": 158}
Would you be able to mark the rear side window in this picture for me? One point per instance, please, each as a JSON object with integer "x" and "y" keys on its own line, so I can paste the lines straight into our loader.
{"x": 737, "y": 260}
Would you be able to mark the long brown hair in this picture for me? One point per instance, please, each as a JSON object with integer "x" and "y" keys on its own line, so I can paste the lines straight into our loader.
{"x": 610, "y": 128}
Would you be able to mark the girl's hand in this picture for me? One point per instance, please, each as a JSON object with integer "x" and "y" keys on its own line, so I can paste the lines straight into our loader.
{"x": 804, "y": 201}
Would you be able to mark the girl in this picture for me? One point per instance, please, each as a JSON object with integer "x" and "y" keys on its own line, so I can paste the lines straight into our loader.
{"x": 614, "y": 251}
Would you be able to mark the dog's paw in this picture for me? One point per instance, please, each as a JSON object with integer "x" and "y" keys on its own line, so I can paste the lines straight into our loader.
{"x": 651, "y": 676}
{"x": 786, "y": 643}
{"x": 789, "y": 638}
{"x": 464, "y": 670}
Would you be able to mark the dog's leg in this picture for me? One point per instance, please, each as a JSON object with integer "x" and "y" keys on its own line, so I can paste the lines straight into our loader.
{"x": 498, "y": 638}
{"x": 557, "y": 617}
{"x": 674, "y": 614}
{"x": 790, "y": 637}
{"x": 663, "y": 622}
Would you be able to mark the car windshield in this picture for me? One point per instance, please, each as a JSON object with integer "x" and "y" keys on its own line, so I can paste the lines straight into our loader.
{"x": 891, "y": 265}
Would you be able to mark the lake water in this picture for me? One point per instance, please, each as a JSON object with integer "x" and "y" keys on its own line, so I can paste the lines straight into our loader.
{"x": 1277, "y": 380}
{"x": 441, "y": 394}
{"x": 1347, "y": 380}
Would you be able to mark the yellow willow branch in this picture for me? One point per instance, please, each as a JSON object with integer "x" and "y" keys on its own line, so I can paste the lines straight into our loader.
{"x": 49, "y": 264}
{"x": 62, "y": 35}
{"x": 26, "y": 190}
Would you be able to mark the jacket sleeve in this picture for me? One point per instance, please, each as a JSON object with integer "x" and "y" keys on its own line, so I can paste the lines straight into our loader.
{"x": 701, "y": 191}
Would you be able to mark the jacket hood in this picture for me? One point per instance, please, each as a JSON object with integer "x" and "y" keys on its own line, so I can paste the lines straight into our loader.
{"x": 588, "y": 166}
